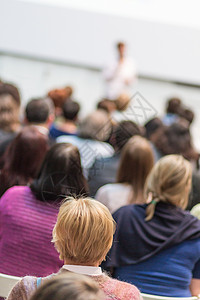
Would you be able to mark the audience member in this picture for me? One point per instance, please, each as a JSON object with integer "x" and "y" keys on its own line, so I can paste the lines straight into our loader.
{"x": 39, "y": 112}
{"x": 23, "y": 158}
{"x": 152, "y": 128}
{"x": 104, "y": 170}
{"x": 9, "y": 118}
{"x": 28, "y": 214}
{"x": 82, "y": 235}
{"x": 122, "y": 104}
{"x": 176, "y": 139}
{"x": 67, "y": 124}
{"x": 119, "y": 74}
{"x": 59, "y": 96}
{"x": 93, "y": 131}
{"x": 176, "y": 110}
{"x": 10, "y": 89}
{"x": 135, "y": 164}
{"x": 172, "y": 111}
{"x": 157, "y": 245}
{"x": 107, "y": 105}
{"x": 187, "y": 114}
{"x": 69, "y": 287}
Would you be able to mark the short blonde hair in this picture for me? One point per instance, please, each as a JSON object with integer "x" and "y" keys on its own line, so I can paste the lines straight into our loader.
{"x": 84, "y": 231}
{"x": 168, "y": 181}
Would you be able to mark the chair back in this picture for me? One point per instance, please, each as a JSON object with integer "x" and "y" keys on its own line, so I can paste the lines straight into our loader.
{"x": 155, "y": 297}
{"x": 6, "y": 284}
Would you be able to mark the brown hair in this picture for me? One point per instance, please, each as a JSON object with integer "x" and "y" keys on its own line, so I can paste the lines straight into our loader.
{"x": 136, "y": 162}
{"x": 23, "y": 158}
{"x": 168, "y": 181}
{"x": 84, "y": 231}
{"x": 9, "y": 113}
{"x": 176, "y": 139}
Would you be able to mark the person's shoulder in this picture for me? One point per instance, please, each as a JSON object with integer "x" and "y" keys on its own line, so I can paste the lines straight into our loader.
{"x": 16, "y": 190}
{"x": 124, "y": 290}
{"x": 105, "y": 162}
{"x": 105, "y": 148}
{"x": 129, "y": 211}
{"x": 23, "y": 288}
{"x": 68, "y": 139}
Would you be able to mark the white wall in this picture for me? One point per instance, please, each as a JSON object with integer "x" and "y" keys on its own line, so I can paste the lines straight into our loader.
{"x": 163, "y": 48}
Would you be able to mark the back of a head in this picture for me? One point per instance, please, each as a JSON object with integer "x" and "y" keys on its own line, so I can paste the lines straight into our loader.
{"x": 169, "y": 181}
{"x": 123, "y": 131}
{"x": 84, "y": 231}
{"x": 23, "y": 157}
{"x": 60, "y": 95}
{"x": 70, "y": 110}
{"x": 61, "y": 174}
{"x": 96, "y": 126}
{"x": 9, "y": 113}
{"x": 37, "y": 111}
{"x": 152, "y": 126}
{"x": 176, "y": 139}
{"x": 173, "y": 105}
{"x": 187, "y": 114}
{"x": 107, "y": 105}
{"x": 10, "y": 89}
{"x": 122, "y": 102}
{"x": 71, "y": 286}
{"x": 136, "y": 162}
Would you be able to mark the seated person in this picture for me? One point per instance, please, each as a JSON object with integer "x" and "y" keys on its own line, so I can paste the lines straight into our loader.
{"x": 22, "y": 159}
{"x": 93, "y": 131}
{"x": 9, "y": 114}
{"x": 28, "y": 214}
{"x": 69, "y": 287}
{"x": 39, "y": 112}
{"x": 67, "y": 124}
{"x": 104, "y": 170}
{"x": 59, "y": 96}
{"x": 157, "y": 245}
{"x": 135, "y": 164}
{"x": 173, "y": 109}
{"x": 82, "y": 235}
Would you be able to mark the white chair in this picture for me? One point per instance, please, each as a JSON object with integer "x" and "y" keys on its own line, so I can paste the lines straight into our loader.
{"x": 6, "y": 284}
{"x": 154, "y": 297}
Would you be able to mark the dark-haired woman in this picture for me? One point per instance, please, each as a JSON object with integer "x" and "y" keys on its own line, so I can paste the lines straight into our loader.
{"x": 23, "y": 158}
{"x": 28, "y": 214}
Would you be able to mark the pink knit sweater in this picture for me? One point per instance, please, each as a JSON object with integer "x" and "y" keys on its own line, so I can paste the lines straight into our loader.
{"x": 26, "y": 225}
{"x": 113, "y": 289}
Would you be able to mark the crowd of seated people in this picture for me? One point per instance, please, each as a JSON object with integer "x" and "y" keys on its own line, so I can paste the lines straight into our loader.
{"x": 61, "y": 178}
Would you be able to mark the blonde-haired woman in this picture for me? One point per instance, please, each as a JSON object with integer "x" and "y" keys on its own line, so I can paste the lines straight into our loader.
{"x": 135, "y": 164}
{"x": 157, "y": 245}
{"x": 82, "y": 235}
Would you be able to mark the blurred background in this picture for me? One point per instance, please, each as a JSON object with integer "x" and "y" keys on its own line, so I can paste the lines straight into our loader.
{"x": 47, "y": 44}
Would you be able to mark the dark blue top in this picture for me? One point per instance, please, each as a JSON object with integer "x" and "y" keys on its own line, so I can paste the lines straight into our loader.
{"x": 55, "y": 132}
{"x": 167, "y": 273}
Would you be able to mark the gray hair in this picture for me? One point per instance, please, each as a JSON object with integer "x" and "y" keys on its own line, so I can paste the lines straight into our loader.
{"x": 96, "y": 126}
